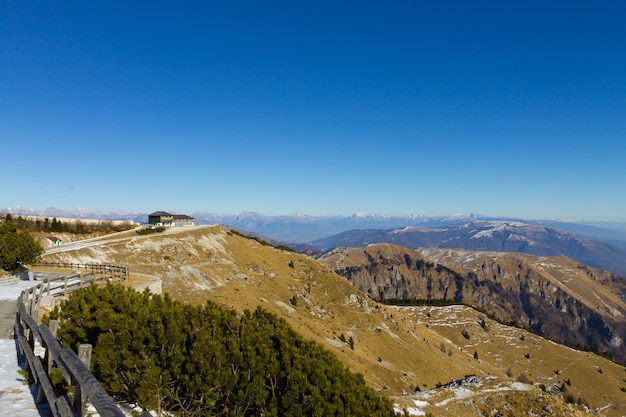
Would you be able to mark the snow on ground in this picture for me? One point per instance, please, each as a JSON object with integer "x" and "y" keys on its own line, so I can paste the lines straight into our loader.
{"x": 460, "y": 390}
{"x": 11, "y": 292}
{"x": 412, "y": 411}
{"x": 16, "y": 398}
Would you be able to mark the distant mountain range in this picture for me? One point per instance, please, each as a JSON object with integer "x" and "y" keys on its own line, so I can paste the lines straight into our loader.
{"x": 599, "y": 247}
{"x": 77, "y": 213}
{"x": 302, "y": 228}
{"x": 500, "y": 236}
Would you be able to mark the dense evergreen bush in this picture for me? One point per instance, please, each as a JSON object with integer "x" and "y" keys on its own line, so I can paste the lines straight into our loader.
{"x": 207, "y": 360}
{"x": 150, "y": 230}
{"x": 17, "y": 248}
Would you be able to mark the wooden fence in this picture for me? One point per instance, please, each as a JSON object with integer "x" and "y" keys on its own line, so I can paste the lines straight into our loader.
{"x": 105, "y": 271}
{"x": 73, "y": 367}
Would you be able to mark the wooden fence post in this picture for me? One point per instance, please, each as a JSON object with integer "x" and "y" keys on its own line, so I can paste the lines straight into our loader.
{"x": 54, "y": 328}
{"x": 24, "y": 296}
{"x": 31, "y": 302}
{"x": 31, "y": 345}
{"x": 47, "y": 362}
{"x": 84, "y": 354}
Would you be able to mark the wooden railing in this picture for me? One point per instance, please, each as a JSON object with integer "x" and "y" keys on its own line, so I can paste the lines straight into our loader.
{"x": 73, "y": 367}
{"x": 102, "y": 270}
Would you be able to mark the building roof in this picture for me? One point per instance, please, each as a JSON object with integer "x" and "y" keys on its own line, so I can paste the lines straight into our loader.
{"x": 54, "y": 239}
{"x": 173, "y": 216}
{"x": 160, "y": 213}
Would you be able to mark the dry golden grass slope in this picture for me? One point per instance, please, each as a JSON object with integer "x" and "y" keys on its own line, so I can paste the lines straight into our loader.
{"x": 565, "y": 273}
{"x": 554, "y": 296}
{"x": 396, "y": 349}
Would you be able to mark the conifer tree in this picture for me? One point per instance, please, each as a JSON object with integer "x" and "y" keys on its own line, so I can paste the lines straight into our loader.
{"x": 207, "y": 360}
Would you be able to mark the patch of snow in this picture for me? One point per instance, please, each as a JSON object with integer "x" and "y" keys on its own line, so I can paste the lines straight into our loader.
{"x": 16, "y": 398}
{"x": 420, "y": 403}
{"x": 422, "y": 395}
{"x": 415, "y": 228}
{"x": 520, "y": 238}
{"x": 413, "y": 411}
{"x": 520, "y": 387}
{"x": 496, "y": 226}
{"x": 483, "y": 233}
{"x": 11, "y": 292}
{"x": 459, "y": 393}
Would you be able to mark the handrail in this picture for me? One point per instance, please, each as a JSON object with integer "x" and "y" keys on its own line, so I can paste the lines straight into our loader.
{"x": 108, "y": 270}
{"x": 75, "y": 371}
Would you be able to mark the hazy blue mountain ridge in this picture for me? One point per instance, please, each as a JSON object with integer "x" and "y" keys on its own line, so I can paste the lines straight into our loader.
{"x": 599, "y": 247}
{"x": 499, "y": 236}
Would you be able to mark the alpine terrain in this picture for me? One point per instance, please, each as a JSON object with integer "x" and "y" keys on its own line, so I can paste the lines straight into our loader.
{"x": 502, "y": 236}
{"x": 449, "y": 360}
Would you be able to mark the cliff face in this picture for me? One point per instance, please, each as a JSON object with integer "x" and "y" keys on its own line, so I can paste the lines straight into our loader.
{"x": 559, "y": 298}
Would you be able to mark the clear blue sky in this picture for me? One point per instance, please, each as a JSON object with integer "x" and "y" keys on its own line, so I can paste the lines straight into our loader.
{"x": 405, "y": 107}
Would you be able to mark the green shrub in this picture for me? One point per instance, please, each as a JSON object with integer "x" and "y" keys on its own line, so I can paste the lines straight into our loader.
{"x": 294, "y": 300}
{"x": 207, "y": 360}
{"x": 17, "y": 248}
{"x": 150, "y": 230}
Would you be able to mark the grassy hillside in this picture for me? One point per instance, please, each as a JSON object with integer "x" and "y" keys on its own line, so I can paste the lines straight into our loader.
{"x": 554, "y": 296}
{"x": 396, "y": 349}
